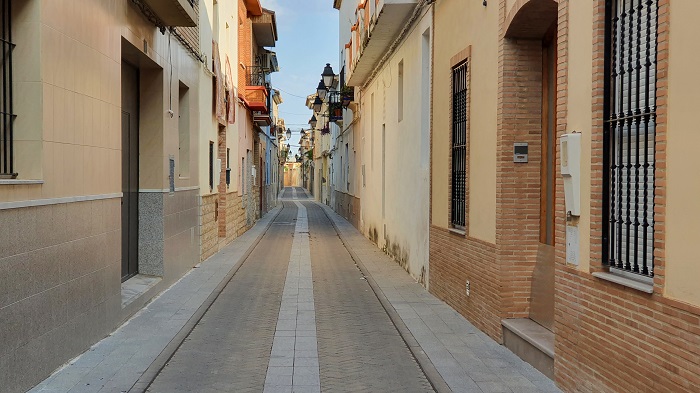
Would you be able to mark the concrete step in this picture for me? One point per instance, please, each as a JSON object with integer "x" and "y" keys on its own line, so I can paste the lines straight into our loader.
{"x": 531, "y": 342}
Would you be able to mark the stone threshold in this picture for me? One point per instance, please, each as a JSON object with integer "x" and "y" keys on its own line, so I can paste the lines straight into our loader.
{"x": 136, "y": 286}
{"x": 531, "y": 341}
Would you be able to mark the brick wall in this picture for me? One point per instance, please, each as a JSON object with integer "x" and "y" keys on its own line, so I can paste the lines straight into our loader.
{"x": 518, "y": 184}
{"x": 611, "y": 338}
{"x": 455, "y": 259}
{"x": 245, "y": 43}
{"x": 209, "y": 227}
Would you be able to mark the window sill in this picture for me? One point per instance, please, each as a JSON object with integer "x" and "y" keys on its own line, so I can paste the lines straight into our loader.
{"x": 624, "y": 281}
{"x": 459, "y": 232}
{"x": 14, "y": 182}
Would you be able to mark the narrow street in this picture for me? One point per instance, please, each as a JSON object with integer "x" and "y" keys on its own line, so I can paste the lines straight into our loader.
{"x": 300, "y": 315}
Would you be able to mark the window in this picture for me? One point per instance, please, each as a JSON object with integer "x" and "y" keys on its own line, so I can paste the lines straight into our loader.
{"x": 184, "y": 130}
{"x": 629, "y": 135}
{"x": 459, "y": 146}
{"x": 8, "y": 116}
{"x": 400, "y": 100}
{"x": 228, "y": 167}
{"x": 211, "y": 166}
{"x": 242, "y": 179}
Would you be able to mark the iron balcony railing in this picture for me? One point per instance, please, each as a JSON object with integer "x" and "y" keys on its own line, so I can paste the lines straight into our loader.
{"x": 6, "y": 105}
{"x": 256, "y": 76}
{"x": 630, "y": 130}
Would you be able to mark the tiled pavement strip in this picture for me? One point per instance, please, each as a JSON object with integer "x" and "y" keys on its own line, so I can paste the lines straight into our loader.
{"x": 467, "y": 359}
{"x": 294, "y": 358}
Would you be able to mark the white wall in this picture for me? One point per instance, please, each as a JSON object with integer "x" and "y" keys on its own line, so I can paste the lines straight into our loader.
{"x": 395, "y": 194}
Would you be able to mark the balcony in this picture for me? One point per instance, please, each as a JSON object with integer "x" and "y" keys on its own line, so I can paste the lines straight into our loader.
{"x": 373, "y": 35}
{"x": 265, "y": 28}
{"x": 256, "y": 93}
{"x": 262, "y": 119}
{"x": 174, "y": 12}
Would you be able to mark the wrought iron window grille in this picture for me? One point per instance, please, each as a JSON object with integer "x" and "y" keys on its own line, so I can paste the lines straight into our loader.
{"x": 629, "y": 135}
{"x": 7, "y": 170}
{"x": 459, "y": 145}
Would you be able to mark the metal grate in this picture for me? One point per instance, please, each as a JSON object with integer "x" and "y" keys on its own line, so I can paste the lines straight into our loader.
{"x": 8, "y": 116}
{"x": 630, "y": 129}
{"x": 459, "y": 145}
{"x": 256, "y": 76}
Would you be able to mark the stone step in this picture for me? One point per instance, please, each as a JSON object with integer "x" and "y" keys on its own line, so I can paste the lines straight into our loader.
{"x": 531, "y": 342}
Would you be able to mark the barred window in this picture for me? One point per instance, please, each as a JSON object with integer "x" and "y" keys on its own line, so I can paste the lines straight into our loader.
{"x": 459, "y": 145}
{"x": 8, "y": 116}
{"x": 630, "y": 129}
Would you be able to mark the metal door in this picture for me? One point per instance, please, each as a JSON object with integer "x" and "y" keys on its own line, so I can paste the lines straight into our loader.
{"x": 130, "y": 170}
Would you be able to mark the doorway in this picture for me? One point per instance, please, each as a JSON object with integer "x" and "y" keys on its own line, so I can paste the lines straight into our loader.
{"x": 130, "y": 170}
{"x": 542, "y": 306}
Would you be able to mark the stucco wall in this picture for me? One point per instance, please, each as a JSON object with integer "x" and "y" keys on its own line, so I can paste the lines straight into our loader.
{"x": 580, "y": 110}
{"x": 467, "y": 25}
{"x": 683, "y": 183}
{"x": 395, "y": 199}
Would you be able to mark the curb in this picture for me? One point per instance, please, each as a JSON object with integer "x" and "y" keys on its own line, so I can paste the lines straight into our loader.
{"x": 147, "y": 378}
{"x": 424, "y": 362}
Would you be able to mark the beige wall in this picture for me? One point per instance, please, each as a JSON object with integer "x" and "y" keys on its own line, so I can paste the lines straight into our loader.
{"x": 70, "y": 73}
{"x": 683, "y": 182}
{"x": 463, "y": 25}
{"x": 580, "y": 110}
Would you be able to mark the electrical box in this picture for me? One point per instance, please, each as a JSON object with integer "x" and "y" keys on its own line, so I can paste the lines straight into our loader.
{"x": 571, "y": 172}
{"x": 520, "y": 152}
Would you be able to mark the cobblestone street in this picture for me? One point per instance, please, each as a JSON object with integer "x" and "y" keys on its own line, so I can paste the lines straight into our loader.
{"x": 311, "y": 306}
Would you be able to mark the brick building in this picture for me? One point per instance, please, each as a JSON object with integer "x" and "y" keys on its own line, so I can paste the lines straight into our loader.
{"x": 553, "y": 174}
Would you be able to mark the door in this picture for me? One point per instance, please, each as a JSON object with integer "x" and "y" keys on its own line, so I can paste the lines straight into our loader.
{"x": 130, "y": 170}
{"x": 542, "y": 307}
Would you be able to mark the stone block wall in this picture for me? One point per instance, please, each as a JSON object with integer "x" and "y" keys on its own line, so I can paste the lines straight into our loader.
{"x": 60, "y": 274}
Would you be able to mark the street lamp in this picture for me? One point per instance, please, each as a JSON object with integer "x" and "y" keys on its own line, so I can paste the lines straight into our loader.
{"x": 288, "y": 134}
{"x": 313, "y": 122}
{"x": 321, "y": 90}
{"x": 328, "y": 76}
{"x": 317, "y": 104}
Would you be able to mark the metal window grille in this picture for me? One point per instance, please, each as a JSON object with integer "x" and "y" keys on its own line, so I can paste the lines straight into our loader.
{"x": 8, "y": 116}
{"x": 630, "y": 128}
{"x": 459, "y": 145}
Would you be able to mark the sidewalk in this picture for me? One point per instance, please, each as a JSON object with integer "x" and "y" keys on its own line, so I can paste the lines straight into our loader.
{"x": 116, "y": 363}
{"x": 466, "y": 358}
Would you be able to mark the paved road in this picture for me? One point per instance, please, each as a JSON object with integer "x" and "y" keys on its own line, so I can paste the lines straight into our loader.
{"x": 359, "y": 347}
{"x": 229, "y": 349}
{"x": 298, "y": 316}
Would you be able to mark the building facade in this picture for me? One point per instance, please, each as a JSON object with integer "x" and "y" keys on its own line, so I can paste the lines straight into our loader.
{"x": 238, "y": 144}
{"x": 560, "y": 138}
{"x": 381, "y": 149}
{"x": 101, "y": 116}
{"x": 129, "y": 152}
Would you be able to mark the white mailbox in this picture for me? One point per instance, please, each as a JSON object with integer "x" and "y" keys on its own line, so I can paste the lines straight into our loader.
{"x": 571, "y": 171}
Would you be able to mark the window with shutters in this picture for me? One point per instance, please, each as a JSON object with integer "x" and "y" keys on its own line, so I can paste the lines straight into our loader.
{"x": 629, "y": 141}
{"x": 459, "y": 146}
{"x": 6, "y": 127}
